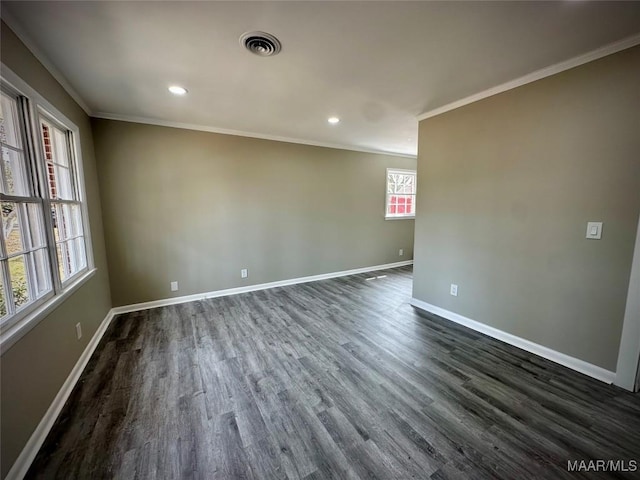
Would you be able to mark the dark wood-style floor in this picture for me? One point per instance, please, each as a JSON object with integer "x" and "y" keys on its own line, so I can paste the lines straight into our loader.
{"x": 331, "y": 379}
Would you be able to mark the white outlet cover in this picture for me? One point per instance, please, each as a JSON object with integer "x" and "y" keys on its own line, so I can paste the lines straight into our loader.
{"x": 401, "y": 252}
{"x": 244, "y": 273}
{"x": 594, "y": 230}
{"x": 454, "y": 290}
{"x": 78, "y": 331}
{"x": 174, "y": 286}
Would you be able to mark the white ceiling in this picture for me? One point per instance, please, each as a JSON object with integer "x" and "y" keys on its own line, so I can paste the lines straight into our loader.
{"x": 376, "y": 65}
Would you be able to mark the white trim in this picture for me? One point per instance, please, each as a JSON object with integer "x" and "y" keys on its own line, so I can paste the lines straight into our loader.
{"x": 16, "y": 27}
{"x": 397, "y": 216}
{"x": 573, "y": 363}
{"x": 537, "y": 75}
{"x": 252, "y": 288}
{"x": 66, "y": 85}
{"x": 241, "y": 133}
{"x": 31, "y": 448}
{"x": 23, "y": 326}
{"x": 628, "y": 369}
{"x": 402, "y": 170}
{"x": 38, "y": 104}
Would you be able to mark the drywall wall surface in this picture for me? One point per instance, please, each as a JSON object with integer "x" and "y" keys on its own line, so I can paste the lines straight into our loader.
{"x": 34, "y": 368}
{"x": 506, "y": 187}
{"x": 197, "y": 207}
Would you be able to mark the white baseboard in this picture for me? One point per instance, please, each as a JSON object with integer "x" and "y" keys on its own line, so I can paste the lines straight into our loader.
{"x": 573, "y": 363}
{"x": 252, "y": 288}
{"x": 26, "y": 457}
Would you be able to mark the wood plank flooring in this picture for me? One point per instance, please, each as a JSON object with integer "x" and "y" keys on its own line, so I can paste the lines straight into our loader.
{"x": 331, "y": 379}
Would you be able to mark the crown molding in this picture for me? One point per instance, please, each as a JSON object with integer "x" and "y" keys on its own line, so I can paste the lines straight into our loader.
{"x": 66, "y": 85}
{"x": 609, "y": 49}
{"x": 16, "y": 27}
{"x": 240, "y": 133}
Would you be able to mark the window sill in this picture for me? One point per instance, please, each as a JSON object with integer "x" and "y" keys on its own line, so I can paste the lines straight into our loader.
{"x": 413, "y": 217}
{"x": 25, "y": 325}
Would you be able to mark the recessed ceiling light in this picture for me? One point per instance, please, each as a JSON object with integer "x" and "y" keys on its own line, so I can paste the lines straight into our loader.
{"x": 333, "y": 120}
{"x": 177, "y": 90}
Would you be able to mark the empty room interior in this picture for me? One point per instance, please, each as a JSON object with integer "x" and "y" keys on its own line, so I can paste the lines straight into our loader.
{"x": 318, "y": 240}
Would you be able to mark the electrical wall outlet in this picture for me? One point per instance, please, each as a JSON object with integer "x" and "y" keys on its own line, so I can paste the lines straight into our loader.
{"x": 400, "y": 252}
{"x": 594, "y": 230}
{"x": 174, "y": 286}
{"x": 454, "y": 290}
{"x": 78, "y": 331}
{"x": 244, "y": 273}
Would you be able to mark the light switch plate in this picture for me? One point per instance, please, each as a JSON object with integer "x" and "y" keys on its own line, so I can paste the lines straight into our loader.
{"x": 594, "y": 230}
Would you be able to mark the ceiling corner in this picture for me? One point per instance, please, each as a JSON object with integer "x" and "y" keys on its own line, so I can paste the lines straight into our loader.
{"x": 16, "y": 27}
{"x": 596, "y": 54}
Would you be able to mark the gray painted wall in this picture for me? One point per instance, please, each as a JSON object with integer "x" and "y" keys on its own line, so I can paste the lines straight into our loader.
{"x": 506, "y": 187}
{"x": 34, "y": 368}
{"x": 197, "y": 207}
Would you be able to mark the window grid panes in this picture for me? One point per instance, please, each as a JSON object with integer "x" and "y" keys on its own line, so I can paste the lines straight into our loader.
{"x": 66, "y": 214}
{"x": 23, "y": 247}
{"x": 40, "y": 209}
{"x": 401, "y": 193}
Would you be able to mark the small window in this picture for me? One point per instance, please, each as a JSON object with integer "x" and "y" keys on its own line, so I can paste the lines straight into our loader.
{"x": 401, "y": 194}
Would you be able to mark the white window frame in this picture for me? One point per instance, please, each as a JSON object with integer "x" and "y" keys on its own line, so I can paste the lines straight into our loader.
{"x": 45, "y": 195}
{"x": 27, "y": 318}
{"x": 398, "y": 216}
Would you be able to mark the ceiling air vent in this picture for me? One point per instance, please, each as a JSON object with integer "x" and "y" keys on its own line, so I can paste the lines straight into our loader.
{"x": 261, "y": 43}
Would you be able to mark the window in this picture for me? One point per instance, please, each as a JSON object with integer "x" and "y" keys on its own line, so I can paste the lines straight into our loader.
{"x": 43, "y": 246}
{"x": 401, "y": 194}
{"x": 66, "y": 216}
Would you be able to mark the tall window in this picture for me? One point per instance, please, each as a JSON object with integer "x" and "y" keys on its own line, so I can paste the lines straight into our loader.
{"x": 66, "y": 212}
{"x": 42, "y": 246}
{"x": 401, "y": 194}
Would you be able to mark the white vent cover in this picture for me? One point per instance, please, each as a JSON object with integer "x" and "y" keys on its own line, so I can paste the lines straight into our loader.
{"x": 261, "y": 43}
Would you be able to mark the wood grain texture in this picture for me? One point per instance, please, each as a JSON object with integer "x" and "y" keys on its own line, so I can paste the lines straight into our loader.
{"x": 331, "y": 379}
